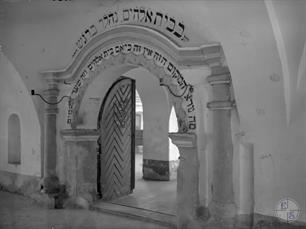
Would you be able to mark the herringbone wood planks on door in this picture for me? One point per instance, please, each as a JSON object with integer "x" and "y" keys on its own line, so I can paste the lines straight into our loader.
{"x": 116, "y": 132}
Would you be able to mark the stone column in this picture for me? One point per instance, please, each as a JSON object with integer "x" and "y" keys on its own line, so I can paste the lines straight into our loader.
{"x": 187, "y": 180}
{"x": 222, "y": 204}
{"x": 196, "y": 76}
{"x": 50, "y": 180}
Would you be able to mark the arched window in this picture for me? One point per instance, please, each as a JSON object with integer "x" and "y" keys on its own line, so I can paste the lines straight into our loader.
{"x": 14, "y": 140}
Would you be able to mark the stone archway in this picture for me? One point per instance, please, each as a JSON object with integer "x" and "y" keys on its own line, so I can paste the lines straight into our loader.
{"x": 141, "y": 55}
{"x": 135, "y": 46}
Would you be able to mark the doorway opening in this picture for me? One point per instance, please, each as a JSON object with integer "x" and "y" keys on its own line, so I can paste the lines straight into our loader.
{"x": 149, "y": 192}
{"x": 153, "y": 195}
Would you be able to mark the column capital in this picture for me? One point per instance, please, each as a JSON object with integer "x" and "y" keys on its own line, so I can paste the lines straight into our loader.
{"x": 50, "y": 92}
{"x": 50, "y": 79}
{"x": 220, "y": 70}
{"x": 220, "y": 81}
{"x": 48, "y": 76}
{"x": 221, "y": 105}
{"x": 224, "y": 78}
{"x": 214, "y": 56}
{"x": 219, "y": 75}
{"x": 184, "y": 140}
{"x": 51, "y": 95}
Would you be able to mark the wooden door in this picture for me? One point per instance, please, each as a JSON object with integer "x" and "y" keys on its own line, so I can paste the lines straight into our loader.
{"x": 117, "y": 129}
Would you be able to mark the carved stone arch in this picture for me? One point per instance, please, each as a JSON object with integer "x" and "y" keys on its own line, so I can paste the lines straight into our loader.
{"x": 183, "y": 56}
{"x": 142, "y": 47}
{"x": 179, "y": 91}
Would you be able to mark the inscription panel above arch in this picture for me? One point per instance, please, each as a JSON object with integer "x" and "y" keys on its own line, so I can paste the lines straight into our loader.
{"x": 171, "y": 26}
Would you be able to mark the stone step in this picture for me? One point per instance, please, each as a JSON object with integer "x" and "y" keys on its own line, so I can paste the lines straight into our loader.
{"x": 136, "y": 213}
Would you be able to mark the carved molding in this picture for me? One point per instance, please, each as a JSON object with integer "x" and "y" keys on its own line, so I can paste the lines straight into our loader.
{"x": 51, "y": 95}
{"x": 110, "y": 48}
{"x": 220, "y": 76}
{"x": 221, "y": 105}
{"x": 184, "y": 140}
{"x": 80, "y": 134}
{"x": 219, "y": 79}
{"x": 183, "y": 56}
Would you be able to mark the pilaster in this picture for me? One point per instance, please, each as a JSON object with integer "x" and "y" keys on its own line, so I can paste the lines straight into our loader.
{"x": 197, "y": 77}
{"x": 187, "y": 180}
{"x": 222, "y": 205}
{"x": 50, "y": 179}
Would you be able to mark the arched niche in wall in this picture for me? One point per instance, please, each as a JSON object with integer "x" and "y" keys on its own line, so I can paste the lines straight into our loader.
{"x": 14, "y": 140}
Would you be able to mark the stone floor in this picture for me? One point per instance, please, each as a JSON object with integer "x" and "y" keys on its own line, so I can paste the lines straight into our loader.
{"x": 159, "y": 196}
{"x": 152, "y": 201}
{"x": 155, "y": 196}
{"x": 18, "y": 212}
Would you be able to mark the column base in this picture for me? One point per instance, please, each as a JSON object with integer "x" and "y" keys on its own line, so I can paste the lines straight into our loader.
{"x": 244, "y": 221}
{"x": 50, "y": 184}
{"x": 43, "y": 200}
{"x": 159, "y": 170}
{"x": 51, "y": 187}
{"x": 222, "y": 210}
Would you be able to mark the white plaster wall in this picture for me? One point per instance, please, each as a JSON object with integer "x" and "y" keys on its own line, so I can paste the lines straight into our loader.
{"x": 290, "y": 37}
{"x": 15, "y": 98}
{"x": 246, "y": 34}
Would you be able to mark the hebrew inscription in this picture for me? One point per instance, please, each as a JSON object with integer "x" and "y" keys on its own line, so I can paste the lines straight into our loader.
{"x": 135, "y": 15}
{"x": 184, "y": 90}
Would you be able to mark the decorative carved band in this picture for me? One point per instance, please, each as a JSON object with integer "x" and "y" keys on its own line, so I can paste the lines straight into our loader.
{"x": 184, "y": 140}
{"x": 51, "y": 110}
{"x": 80, "y": 134}
{"x": 51, "y": 93}
{"x": 219, "y": 79}
{"x": 221, "y": 105}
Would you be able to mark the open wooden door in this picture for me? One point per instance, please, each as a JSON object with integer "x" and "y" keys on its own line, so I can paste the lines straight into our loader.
{"x": 116, "y": 175}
